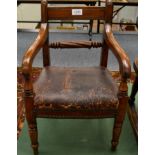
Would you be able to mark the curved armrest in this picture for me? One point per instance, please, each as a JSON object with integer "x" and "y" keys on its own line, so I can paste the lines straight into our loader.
{"x": 124, "y": 62}
{"x": 34, "y": 49}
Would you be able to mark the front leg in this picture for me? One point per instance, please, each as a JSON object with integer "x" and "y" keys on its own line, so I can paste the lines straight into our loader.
{"x": 31, "y": 120}
{"x": 123, "y": 101}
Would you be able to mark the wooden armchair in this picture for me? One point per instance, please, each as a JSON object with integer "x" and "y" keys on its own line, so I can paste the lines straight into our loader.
{"x": 75, "y": 92}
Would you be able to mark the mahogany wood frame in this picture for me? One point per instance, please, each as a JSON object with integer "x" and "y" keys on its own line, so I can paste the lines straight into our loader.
{"x": 109, "y": 42}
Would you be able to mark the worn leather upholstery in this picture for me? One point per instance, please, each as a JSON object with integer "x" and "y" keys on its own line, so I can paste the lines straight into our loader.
{"x": 90, "y": 88}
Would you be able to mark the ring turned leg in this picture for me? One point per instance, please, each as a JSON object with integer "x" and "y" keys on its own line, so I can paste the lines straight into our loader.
{"x": 33, "y": 132}
{"x": 31, "y": 120}
{"x": 123, "y": 100}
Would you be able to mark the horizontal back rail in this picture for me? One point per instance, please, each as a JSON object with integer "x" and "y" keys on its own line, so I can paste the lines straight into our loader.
{"x": 76, "y": 13}
{"x": 76, "y": 44}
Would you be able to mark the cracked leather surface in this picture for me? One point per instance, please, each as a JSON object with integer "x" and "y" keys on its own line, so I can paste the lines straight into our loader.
{"x": 89, "y": 88}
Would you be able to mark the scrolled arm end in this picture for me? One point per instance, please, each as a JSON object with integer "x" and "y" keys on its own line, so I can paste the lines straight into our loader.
{"x": 126, "y": 69}
{"x": 120, "y": 54}
{"x": 34, "y": 49}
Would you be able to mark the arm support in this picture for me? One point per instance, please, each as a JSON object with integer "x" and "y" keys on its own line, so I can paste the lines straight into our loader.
{"x": 124, "y": 62}
{"x": 33, "y": 50}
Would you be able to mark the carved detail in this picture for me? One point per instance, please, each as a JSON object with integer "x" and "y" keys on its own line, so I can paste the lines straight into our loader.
{"x": 32, "y": 126}
{"x": 76, "y": 44}
{"x": 116, "y": 134}
{"x": 34, "y": 136}
{"x": 35, "y": 146}
{"x": 28, "y": 93}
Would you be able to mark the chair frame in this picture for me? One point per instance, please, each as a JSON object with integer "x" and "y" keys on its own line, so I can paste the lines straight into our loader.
{"x": 42, "y": 41}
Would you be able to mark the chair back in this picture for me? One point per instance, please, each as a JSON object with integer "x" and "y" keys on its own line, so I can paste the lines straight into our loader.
{"x": 49, "y": 12}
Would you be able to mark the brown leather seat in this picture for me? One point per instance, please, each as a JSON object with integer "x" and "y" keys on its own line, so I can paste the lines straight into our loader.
{"x": 75, "y": 89}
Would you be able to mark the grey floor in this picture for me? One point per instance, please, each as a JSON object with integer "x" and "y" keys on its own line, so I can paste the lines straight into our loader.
{"x": 78, "y": 57}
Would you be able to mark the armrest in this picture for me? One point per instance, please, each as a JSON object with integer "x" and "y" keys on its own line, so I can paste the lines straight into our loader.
{"x": 123, "y": 60}
{"x": 34, "y": 49}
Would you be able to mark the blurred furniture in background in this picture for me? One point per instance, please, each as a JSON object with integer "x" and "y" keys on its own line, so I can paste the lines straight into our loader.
{"x": 85, "y": 2}
{"x": 132, "y": 112}
{"x": 122, "y": 4}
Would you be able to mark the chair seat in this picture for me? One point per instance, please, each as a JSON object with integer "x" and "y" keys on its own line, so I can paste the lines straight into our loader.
{"x": 60, "y": 88}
